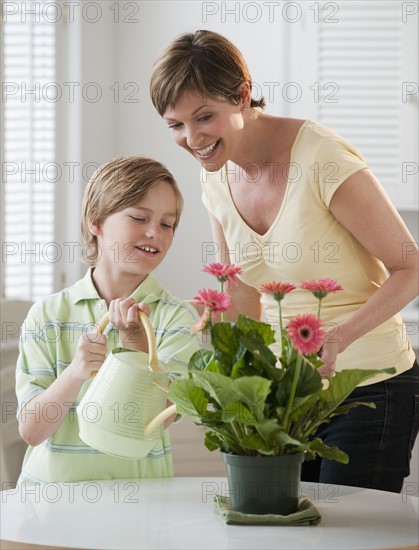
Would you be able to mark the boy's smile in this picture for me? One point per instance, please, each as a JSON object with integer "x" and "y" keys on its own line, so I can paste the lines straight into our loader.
{"x": 147, "y": 250}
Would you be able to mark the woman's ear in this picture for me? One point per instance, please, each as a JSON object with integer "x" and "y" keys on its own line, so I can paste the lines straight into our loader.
{"x": 245, "y": 96}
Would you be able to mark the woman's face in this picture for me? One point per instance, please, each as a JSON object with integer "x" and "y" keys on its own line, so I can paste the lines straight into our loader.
{"x": 208, "y": 128}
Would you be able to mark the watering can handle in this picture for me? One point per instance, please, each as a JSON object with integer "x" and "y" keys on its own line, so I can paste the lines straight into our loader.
{"x": 151, "y": 337}
{"x": 159, "y": 419}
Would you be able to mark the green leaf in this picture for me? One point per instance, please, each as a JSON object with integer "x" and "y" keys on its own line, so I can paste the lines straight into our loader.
{"x": 212, "y": 441}
{"x": 224, "y": 338}
{"x": 253, "y": 391}
{"x": 201, "y": 360}
{"x": 283, "y": 439}
{"x": 226, "y": 361}
{"x": 241, "y": 368}
{"x": 247, "y": 325}
{"x": 309, "y": 382}
{"x": 228, "y": 440}
{"x": 269, "y": 439}
{"x": 189, "y": 399}
{"x": 237, "y": 412}
{"x": 256, "y": 443}
{"x": 344, "y": 382}
{"x": 215, "y": 366}
{"x": 227, "y": 349}
{"x": 273, "y": 373}
{"x": 332, "y": 453}
{"x": 218, "y": 386}
{"x": 344, "y": 409}
{"x": 261, "y": 354}
{"x": 271, "y": 431}
{"x": 340, "y": 386}
{"x": 302, "y": 405}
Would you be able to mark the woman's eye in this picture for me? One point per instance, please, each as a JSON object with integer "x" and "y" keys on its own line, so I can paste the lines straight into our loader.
{"x": 174, "y": 126}
{"x": 205, "y": 118}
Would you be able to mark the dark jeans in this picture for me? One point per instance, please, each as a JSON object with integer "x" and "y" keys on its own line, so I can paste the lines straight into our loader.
{"x": 378, "y": 441}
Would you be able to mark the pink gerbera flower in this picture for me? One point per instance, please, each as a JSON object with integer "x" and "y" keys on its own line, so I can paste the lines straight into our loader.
{"x": 213, "y": 300}
{"x": 306, "y": 333}
{"x": 321, "y": 288}
{"x": 277, "y": 289}
{"x": 224, "y": 272}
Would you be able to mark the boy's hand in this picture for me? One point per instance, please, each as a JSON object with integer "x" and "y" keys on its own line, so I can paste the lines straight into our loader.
{"x": 90, "y": 355}
{"x": 123, "y": 315}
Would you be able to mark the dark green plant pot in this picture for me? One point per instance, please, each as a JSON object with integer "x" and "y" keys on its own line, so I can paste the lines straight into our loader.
{"x": 264, "y": 484}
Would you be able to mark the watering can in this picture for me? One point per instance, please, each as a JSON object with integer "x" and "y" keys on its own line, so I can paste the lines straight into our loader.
{"x": 123, "y": 410}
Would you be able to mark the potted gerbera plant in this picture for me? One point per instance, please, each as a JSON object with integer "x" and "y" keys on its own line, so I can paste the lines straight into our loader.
{"x": 260, "y": 408}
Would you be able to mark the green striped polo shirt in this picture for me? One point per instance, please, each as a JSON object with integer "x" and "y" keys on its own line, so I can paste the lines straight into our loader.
{"x": 48, "y": 343}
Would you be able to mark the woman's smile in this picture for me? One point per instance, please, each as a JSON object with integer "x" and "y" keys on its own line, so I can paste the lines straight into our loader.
{"x": 207, "y": 152}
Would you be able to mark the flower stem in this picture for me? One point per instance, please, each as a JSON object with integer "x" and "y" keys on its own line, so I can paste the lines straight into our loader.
{"x": 292, "y": 392}
{"x": 280, "y": 326}
{"x": 319, "y": 308}
{"x": 223, "y": 315}
{"x": 210, "y": 324}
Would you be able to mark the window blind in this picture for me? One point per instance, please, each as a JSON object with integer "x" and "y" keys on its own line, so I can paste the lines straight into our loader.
{"x": 357, "y": 65}
{"x": 28, "y": 249}
{"x": 363, "y": 54}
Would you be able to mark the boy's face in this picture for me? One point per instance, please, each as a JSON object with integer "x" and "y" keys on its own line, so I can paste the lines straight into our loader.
{"x": 135, "y": 240}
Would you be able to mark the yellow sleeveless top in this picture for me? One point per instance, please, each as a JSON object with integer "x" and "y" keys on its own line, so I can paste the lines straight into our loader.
{"x": 307, "y": 242}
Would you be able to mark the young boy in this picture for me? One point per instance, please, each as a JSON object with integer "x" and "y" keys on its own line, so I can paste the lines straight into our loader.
{"x": 130, "y": 211}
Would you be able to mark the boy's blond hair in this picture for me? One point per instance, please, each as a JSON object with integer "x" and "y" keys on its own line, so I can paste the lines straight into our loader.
{"x": 118, "y": 184}
{"x": 204, "y": 62}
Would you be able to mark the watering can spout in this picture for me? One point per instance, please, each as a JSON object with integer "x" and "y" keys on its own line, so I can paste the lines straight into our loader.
{"x": 137, "y": 384}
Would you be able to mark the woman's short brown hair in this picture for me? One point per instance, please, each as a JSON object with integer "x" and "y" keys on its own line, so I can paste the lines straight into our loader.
{"x": 204, "y": 62}
{"x": 116, "y": 185}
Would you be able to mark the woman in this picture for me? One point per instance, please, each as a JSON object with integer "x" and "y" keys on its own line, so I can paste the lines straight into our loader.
{"x": 291, "y": 200}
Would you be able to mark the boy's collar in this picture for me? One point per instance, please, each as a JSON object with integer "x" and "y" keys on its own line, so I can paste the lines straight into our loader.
{"x": 149, "y": 291}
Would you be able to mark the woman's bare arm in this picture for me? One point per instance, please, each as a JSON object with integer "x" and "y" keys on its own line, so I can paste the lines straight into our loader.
{"x": 361, "y": 205}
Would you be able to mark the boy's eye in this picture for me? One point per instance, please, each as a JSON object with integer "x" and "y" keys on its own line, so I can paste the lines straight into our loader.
{"x": 137, "y": 219}
{"x": 167, "y": 225}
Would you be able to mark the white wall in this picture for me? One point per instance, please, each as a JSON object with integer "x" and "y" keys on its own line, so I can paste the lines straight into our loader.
{"x": 140, "y": 130}
{"x": 86, "y": 119}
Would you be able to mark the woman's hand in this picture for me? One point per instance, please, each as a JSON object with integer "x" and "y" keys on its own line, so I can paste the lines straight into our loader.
{"x": 123, "y": 315}
{"x": 328, "y": 353}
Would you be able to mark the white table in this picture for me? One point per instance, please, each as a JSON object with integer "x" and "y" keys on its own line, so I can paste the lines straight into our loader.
{"x": 178, "y": 513}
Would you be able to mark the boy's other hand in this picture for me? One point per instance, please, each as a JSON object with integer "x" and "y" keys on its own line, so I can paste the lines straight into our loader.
{"x": 123, "y": 315}
{"x": 90, "y": 355}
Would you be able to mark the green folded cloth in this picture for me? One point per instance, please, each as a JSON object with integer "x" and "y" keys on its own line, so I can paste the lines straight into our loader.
{"x": 307, "y": 514}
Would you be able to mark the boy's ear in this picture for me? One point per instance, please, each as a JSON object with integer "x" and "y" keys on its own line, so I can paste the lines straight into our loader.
{"x": 94, "y": 228}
